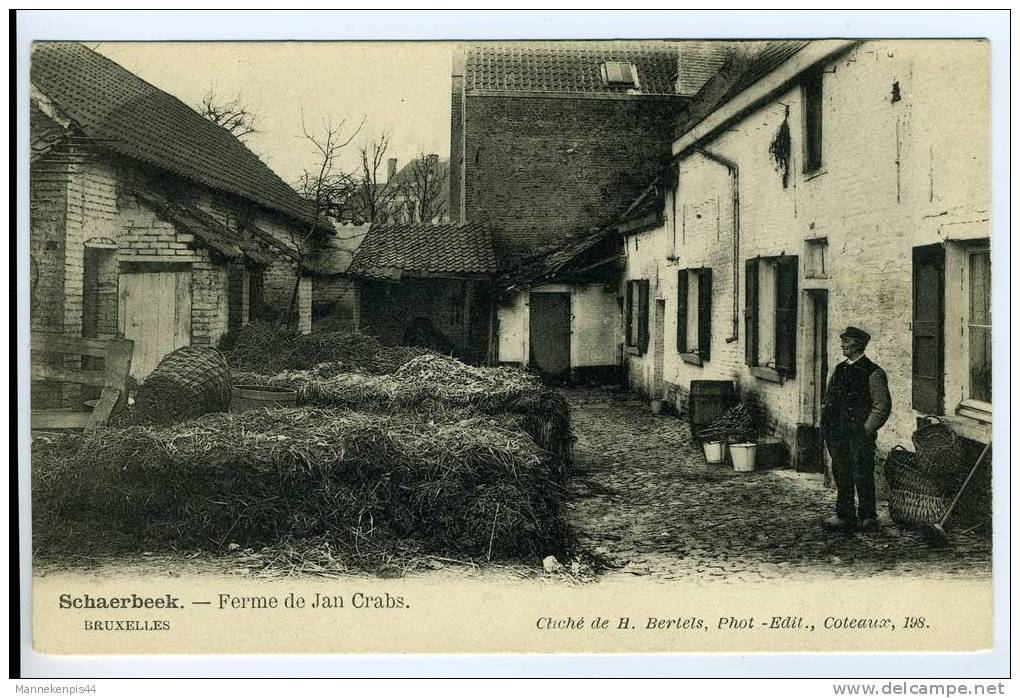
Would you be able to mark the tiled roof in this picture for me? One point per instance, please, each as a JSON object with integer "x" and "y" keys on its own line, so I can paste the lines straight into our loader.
{"x": 568, "y": 66}
{"x": 130, "y": 116}
{"x": 428, "y": 249}
{"x": 750, "y": 63}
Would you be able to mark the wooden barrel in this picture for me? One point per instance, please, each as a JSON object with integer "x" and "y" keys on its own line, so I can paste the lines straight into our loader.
{"x": 707, "y": 400}
{"x": 772, "y": 453}
{"x": 253, "y": 397}
{"x": 809, "y": 456}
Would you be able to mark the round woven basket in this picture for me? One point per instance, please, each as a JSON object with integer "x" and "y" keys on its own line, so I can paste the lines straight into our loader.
{"x": 915, "y": 509}
{"x": 188, "y": 382}
{"x": 902, "y": 473}
{"x": 938, "y": 450}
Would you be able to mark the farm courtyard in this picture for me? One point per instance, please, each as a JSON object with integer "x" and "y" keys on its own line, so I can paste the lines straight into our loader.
{"x": 641, "y": 502}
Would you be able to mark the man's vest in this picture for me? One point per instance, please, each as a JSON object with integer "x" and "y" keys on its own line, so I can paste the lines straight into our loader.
{"x": 848, "y": 399}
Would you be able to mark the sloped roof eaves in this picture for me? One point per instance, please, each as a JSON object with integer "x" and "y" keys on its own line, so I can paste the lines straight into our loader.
{"x": 738, "y": 74}
{"x": 206, "y": 229}
{"x": 132, "y": 117}
{"x": 547, "y": 266}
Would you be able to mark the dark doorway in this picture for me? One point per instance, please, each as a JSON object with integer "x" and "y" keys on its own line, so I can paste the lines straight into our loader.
{"x": 550, "y": 333}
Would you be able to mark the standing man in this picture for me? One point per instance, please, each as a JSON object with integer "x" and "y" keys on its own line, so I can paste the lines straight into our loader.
{"x": 856, "y": 405}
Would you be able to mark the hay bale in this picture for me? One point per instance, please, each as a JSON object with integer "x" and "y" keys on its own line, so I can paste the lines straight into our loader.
{"x": 437, "y": 385}
{"x": 188, "y": 382}
{"x": 268, "y": 349}
{"x": 362, "y": 480}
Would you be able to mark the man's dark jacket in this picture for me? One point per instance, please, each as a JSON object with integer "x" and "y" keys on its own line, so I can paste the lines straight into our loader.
{"x": 857, "y": 400}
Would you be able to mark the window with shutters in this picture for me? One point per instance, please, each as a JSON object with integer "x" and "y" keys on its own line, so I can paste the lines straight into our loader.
{"x": 694, "y": 315}
{"x": 637, "y": 315}
{"x": 770, "y": 316}
{"x": 951, "y": 326}
{"x": 979, "y": 325}
{"x": 811, "y": 90}
{"x": 927, "y": 329}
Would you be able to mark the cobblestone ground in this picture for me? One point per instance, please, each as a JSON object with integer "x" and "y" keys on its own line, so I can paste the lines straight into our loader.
{"x": 643, "y": 497}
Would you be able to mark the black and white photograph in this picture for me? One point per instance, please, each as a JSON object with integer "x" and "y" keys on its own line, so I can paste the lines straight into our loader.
{"x": 663, "y": 344}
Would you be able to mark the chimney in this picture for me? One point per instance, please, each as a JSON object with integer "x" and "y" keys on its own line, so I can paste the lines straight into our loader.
{"x": 391, "y": 169}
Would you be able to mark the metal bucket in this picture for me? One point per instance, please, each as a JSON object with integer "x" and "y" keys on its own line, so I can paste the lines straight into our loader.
{"x": 254, "y": 397}
{"x": 743, "y": 456}
{"x": 715, "y": 451}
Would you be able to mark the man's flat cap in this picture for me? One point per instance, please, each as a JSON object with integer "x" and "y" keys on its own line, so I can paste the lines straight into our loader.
{"x": 856, "y": 333}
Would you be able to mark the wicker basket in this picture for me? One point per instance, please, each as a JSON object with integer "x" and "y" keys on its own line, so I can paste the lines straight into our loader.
{"x": 902, "y": 473}
{"x": 188, "y": 382}
{"x": 938, "y": 450}
{"x": 914, "y": 509}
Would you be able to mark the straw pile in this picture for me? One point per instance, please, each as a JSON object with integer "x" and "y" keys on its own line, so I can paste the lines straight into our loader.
{"x": 268, "y": 349}
{"x": 438, "y": 385}
{"x": 363, "y": 481}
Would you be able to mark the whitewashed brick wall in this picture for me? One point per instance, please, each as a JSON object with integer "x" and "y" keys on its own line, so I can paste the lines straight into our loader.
{"x": 894, "y": 175}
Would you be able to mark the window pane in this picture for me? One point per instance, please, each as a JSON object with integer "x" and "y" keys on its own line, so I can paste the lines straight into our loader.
{"x": 693, "y": 283}
{"x": 767, "y": 313}
{"x": 981, "y": 363}
{"x": 981, "y": 289}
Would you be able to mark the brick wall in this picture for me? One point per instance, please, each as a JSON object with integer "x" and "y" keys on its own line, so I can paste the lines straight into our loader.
{"x": 545, "y": 168}
{"x": 895, "y": 174}
{"x": 80, "y": 200}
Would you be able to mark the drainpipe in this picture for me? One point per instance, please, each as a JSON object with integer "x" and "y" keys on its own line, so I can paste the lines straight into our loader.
{"x": 734, "y": 171}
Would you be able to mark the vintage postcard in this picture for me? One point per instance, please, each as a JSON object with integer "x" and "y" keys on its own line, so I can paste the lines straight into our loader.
{"x": 578, "y": 346}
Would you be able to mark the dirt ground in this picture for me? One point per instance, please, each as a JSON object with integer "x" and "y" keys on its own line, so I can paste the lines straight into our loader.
{"x": 644, "y": 504}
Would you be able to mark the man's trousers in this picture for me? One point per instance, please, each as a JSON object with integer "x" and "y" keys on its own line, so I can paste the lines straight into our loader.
{"x": 853, "y": 465}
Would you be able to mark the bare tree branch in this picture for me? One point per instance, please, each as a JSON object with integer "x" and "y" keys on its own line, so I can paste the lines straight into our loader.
{"x": 326, "y": 187}
{"x": 424, "y": 189}
{"x": 234, "y": 115}
{"x": 375, "y": 197}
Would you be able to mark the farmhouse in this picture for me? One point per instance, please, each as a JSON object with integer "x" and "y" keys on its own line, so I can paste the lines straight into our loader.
{"x": 148, "y": 221}
{"x": 814, "y": 186}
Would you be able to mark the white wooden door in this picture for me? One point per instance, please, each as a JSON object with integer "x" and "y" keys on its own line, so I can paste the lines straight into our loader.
{"x": 155, "y": 313}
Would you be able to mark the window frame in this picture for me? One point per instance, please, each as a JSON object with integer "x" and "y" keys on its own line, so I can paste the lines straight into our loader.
{"x": 702, "y": 350}
{"x": 781, "y": 365}
{"x": 636, "y": 337}
{"x": 970, "y": 401}
{"x": 812, "y": 97}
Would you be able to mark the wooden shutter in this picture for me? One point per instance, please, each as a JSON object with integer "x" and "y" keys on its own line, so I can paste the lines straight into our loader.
{"x": 629, "y": 310}
{"x": 704, "y": 314}
{"x": 927, "y": 367}
{"x": 751, "y": 312}
{"x": 786, "y": 316}
{"x": 643, "y": 316}
{"x": 681, "y": 311}
{"x": 812, "y": 94}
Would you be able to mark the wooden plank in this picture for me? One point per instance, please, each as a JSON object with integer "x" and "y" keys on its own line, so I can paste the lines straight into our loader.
{"x": 68, "y": 375}
{"x": 118, "y": 363}
{"x": 182, "y": 309}
{"x": 104, "y": 407}
{"x": 59, "y": 419}
{"x": 64, "y": 344}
